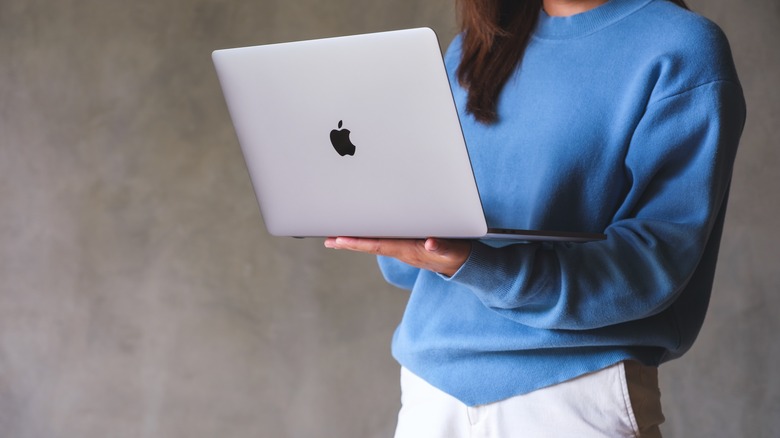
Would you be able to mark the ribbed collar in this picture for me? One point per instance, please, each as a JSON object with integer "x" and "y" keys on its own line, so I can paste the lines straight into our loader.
{"x": 587, "y": 22}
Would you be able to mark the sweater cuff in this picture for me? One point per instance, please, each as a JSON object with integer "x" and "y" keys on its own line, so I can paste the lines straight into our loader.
{"x": 494, "y": 269}
{"x": 477, "y": 272}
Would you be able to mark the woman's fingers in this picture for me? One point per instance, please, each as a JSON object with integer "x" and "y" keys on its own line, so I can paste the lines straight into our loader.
{"x": 438, "y": 255}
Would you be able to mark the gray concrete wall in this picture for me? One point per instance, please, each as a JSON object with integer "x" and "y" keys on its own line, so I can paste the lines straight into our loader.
{"x": 141, "y": 297}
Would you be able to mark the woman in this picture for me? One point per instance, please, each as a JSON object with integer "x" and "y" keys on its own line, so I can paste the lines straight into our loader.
{"x": 618, "y": 116}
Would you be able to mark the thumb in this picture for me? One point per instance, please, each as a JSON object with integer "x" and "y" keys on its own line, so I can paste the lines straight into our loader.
{"x": 436, "y": 246}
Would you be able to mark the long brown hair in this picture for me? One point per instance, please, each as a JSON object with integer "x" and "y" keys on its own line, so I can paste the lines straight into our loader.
{"x": 495, "y": 34}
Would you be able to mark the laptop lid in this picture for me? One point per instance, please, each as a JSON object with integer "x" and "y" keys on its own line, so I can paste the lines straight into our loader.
{"x": 353, "y": 135}
{"x": 357, "y": 136}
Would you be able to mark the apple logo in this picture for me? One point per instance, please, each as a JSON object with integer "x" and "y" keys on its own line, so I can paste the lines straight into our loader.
{"x": 341, "y": 142}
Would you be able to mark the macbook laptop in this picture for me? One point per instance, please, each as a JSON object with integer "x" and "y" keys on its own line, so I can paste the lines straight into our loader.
{"x": 357, "y": 136}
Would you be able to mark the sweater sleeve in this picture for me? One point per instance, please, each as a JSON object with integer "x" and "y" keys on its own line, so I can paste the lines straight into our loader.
{"x": 679, "y": 165}
{"x": 398, "y": 273}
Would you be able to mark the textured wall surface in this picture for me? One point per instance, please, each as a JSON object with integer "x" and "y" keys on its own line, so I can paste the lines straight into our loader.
{"x": 141, "y": 297}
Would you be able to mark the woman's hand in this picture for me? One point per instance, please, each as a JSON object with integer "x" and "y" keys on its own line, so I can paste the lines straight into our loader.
{"x": 438, "y": 255}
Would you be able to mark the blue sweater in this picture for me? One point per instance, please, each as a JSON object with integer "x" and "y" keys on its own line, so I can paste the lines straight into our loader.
{"x": 625, "y": 120}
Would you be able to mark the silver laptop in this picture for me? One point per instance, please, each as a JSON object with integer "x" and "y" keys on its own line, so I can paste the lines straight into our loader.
{"x": 357, "y": 136}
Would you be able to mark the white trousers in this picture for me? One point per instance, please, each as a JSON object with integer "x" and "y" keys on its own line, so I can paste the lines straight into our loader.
{"x": 621, "y": 400}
